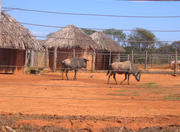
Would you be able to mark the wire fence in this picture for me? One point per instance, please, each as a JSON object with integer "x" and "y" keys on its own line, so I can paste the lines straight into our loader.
{"x": 98, "y": 60}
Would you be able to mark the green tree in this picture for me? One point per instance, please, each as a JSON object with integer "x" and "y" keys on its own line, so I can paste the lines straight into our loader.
{"x": 142, "y": 39}
{"x": 164, "y": 48}
{"x": 88, "y": 31}
{"x": 176, "y": 45}
{"x": 116, "y": 35}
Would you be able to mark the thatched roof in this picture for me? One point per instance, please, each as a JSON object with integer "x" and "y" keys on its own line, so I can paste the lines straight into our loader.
{"x": 42, "y": 43}
{"x": 106, "y": 43}
{"x": 70, "y": 37}
{"x": 16, "y": 36}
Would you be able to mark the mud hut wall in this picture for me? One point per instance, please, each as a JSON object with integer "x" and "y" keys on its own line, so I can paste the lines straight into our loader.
{"x": 69, "y": 53}
{"x": 99, "y": 61}
{"x": 8, "y": 60}
{"x": 102, "y": 60}
{"x": 106, "y": 60}
{"x": 63, "y": 53}
{"x": 51, "y": 58}
{"x": 11, "y": 60}
{"x": 88, "y": 55}
{"x": 20, "y": 60}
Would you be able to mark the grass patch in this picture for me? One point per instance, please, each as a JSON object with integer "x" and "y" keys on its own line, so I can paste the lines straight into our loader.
{"x": 150, "y": 85}
{"x": 152, "y": 88}
{"x": 119, "y": 94}
{"x": 174, "y": 98}
{"x": 124, "y": 93}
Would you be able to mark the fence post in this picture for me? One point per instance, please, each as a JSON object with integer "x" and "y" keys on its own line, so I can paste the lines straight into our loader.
{"x": 128, "y": 57}
{"x": 132, "y": 56}
{"x": 175, "y": 63}
{"x": 55, "y": 59}
{"x": 169, "y": 60}
{"x": 46, "y": 58}
{"x": 151, "y": 60}
{"x": 74, "y": 53}
{"x": 26, "y": 58}
{"x": 32, "y": 59}
{"x": 146, "y": 58}
{"x": 110, "y": 58}
{"x": 94, "y": 61}
{"x": 104, "y": 60}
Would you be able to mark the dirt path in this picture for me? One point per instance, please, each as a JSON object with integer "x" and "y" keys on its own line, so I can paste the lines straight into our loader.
{"x": 155, "y": 95}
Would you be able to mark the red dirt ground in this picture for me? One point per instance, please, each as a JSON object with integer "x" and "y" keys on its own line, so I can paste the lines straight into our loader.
{"x": 153, "y": 101}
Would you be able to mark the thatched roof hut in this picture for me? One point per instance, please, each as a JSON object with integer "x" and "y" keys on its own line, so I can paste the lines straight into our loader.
{"x": 16, "y": 36}
{"x": 70, "y": 37}
{"x": 106, "y": 43}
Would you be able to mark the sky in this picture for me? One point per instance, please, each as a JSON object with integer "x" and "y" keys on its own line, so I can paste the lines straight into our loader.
{"x": 112, "y": 7}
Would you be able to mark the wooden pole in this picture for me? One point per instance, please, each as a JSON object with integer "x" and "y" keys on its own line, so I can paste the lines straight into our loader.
{"x": 32, "y": 58}
{"x": 110, "y": 58}
{"x": 175, "y": 63}
{"x": 169, "y": 60}
{"x": 94, "y": 61}
{"x": 26, "y": 61}
{"x": 104, "y": 61}
{"x": 74, "y": 53}
{"x": 46, "y": 58}
{"x": 132, "y": 56}
{"x": 151, "y": 60}
{"x": 146, "y": 58}
{"x": 26, "y": 58}
{"x": 128, "y": 57}
{"x": 55, "y": 59}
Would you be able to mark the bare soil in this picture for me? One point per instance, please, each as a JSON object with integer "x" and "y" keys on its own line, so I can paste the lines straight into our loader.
{"x": 88, "y": 103}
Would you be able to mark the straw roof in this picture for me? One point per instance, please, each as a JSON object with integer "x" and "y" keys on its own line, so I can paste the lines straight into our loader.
{"x": 16, "y": 36}
{"x": 70, "y": 37}
{"x": 106, "y": 43}
{"x": 42, "y": 42}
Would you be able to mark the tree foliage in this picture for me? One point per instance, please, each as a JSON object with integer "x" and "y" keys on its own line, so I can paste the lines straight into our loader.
{"x": 176, "y": 45}
{"x": 116, "y": 35}
{"x": 88, "y": 31}
{"x": 142, "y": 39}
{"x": 164, "y": 48}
